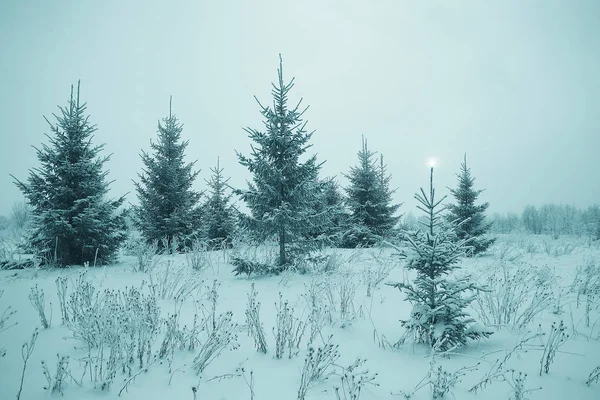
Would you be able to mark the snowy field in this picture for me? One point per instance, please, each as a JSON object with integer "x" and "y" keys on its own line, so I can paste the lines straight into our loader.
{"x": 534, "y": 282}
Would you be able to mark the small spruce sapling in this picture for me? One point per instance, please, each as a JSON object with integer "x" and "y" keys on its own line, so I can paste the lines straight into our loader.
{"x": 439, "y": 300}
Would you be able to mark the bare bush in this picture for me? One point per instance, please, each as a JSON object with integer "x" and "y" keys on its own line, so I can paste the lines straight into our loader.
{"x": 514, "y": 296}
{"x": 174, "y": 283}
{"x": 56, "y": 383}
{"x": 316, "y": 366}
{"x": 594, "y": 376}
{"x": 375, "y": 274}
{"x": 36, "y": 297}
{"x": 4, "y": 322}
{"x": 118, "y": 328}
{"x": 289, "y": 330}
{"x": 586, "y": 286}
{"x": 556, "y": 338}
{"x": 314, "y": 295}
{"x": 516, "y": 380}
{"x": 221, "y": 337}
{"x": 147, "y": 254}
{"x": 498, "y": 369}
{"x": 440, "y": 381}
{"x": 197, "y": 255}
{"x": 354, "y": 380}
{"x": 255, "y": 327}
{"x": 26, "y": 352}
{"x": 62, "y": 284}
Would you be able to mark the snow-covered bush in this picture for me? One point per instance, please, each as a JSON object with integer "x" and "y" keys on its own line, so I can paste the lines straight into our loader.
{"x": 197, "y": 255}
{"x": 594, "y": 376}
{"x": 255, "y": 327}
{"x": 146, "y": 254}
{"x": 555, "y": 339}
{"x": 4, "y": 322}
{"x": 317, "y": 365}
{"x": 375, "y": 273}
{"x": 62, "y": 284}
{"x": 36, "y": 297}
{"x": 178, "y": 283}
{"x": 586, "y": 286}
{"x": 118, "y": 329}
{"x": 514, "y": 295}
{"x": 222, "y": 336}
{"x": 318, "y": 312}
{"x": 57, "y": 382}
{"x": 353, "y": 380}
{"x": 289, "y": 330}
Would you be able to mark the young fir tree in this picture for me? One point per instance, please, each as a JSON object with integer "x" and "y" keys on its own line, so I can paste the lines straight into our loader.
{"x": 369, "y": 199}
{"x": 472, "y": 216}
{"x": 220, "y": 214}
{"x": 438, "y": 316}
{"x": 331, "y": 206}
{"x": 284, "y": 190}
{"x": 168, "y": 209}
{"x": 73, "y": 222}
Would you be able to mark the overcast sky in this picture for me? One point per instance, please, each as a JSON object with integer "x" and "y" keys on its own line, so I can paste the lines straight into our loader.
{"x": 514, "y": 84}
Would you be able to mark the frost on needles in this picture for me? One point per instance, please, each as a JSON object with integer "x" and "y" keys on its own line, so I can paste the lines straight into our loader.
{"x": 439, "y": 297}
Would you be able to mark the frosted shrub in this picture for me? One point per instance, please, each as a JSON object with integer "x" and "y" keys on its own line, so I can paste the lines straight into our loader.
{"x": 555, "y": 339}
{"x": 118, "y": 328}
{"x": 174, "y": 283}
{"x": 586, "y": 286}
{"x": 36, "y": 297}
{"x": 62, "y": 284}
{"x": 376, "y": 273}
{"x": 353, "y": 380}
{"x": 197, "y": 256}
{"x": 4, "y": 322}
{"x": 146, "y": 254}
{"x": 56, "y": 383}
{"x": 498, "y": 370}
{"x": 314, "y": 296}
{"x": 289, "y": 330}
{"x": 516, "y": 380}
{"x": 514, "y": 296}
{"x": 594, "y": 376}
{"x": 317, "y": 365}
{"x": 255, "y": 327}
{"x": 221, "y": 337}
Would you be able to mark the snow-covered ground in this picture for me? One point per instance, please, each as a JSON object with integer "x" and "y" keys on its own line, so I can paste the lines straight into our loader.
{"x": 369, "y": 326}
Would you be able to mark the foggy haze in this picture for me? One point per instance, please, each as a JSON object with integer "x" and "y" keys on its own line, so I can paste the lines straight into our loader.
{"x": 513, "y": 84}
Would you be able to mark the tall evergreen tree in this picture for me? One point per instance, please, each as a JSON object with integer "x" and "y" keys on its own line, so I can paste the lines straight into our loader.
{"x": 220, "y": 213}
{"x": 438, "y": 316}
{"x": 169, "y": 207}
{"x": 73, "y": 222}
{"x": 471, "y": 217}
{"x": 369, "y": 199}
{"x": 282, "y": 194}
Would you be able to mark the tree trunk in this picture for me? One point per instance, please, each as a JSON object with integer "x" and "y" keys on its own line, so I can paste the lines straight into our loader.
{"x": 282, "y": 259}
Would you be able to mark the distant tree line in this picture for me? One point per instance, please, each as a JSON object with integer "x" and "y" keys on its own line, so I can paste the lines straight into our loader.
{"x": 550, "y": 219}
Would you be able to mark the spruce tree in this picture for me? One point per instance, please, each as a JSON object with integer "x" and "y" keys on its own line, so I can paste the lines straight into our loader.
{"x": 168, "y": 207}
{"x": 472, "y": 217}
{"x": 438, "y": 317}
{"x": 369, "y": 199}
{"x": 220, "y": 213}
{"x": 332, "y": 206}
{"x": 73, "y": 222}
{"x": 283, "y": 191}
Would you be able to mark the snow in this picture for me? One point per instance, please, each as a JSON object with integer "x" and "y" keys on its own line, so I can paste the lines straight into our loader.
{"x": 377, "y": 320}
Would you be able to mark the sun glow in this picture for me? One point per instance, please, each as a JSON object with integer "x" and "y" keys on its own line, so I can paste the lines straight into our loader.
{"x": 431, "y": 162}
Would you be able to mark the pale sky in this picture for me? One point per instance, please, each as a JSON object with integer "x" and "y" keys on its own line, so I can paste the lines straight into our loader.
{"x": 514, "y": 84}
